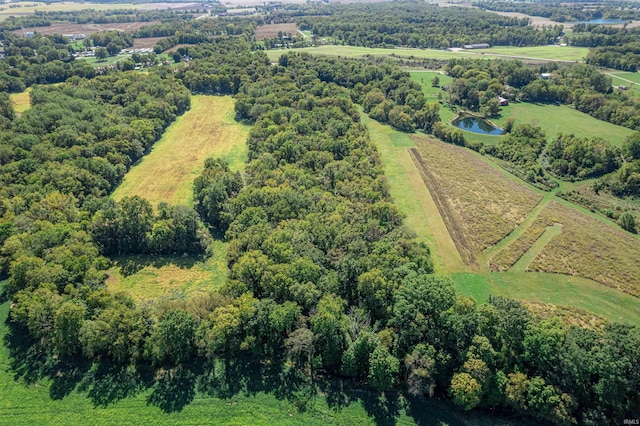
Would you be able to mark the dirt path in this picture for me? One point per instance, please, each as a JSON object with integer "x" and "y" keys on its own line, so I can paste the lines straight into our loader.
{"x": 454, "y": 228}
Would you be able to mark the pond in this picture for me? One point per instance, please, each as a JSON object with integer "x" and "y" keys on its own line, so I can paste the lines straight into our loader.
{"x": 601, "y": 21}
{"x": 476, "y": 125}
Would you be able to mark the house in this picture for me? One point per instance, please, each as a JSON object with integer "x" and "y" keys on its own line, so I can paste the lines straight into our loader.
{"x": 477, "y": 46}
{"x": 503, "y": 101}
{"x": 545, "y": 75}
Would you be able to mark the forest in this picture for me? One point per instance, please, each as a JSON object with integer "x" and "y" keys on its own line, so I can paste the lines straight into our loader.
{"x": 325, "y": 279}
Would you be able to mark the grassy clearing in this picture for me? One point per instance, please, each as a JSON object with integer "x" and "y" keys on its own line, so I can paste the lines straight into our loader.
{"x": 412, "y": 196}
{"x": 167, "y": 172}
{"x": 590, "y": 248}
{"x": 553, "y": 52}
{"x": 544, "y": 53}
{"x": 155, "y": 277}
{"x": 21, "y": 101}
{"x": 489, "y": 205}
{"x": 569, "y": 315}
{"x": 30, "y": 8}
{"x": 554, "y": 119}
{"x": 554, "y": 289}
{"x": 423, "y": 78}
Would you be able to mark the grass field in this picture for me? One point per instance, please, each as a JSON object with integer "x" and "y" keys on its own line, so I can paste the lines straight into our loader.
{"x": 156, "y": 277}
{"x": 208, "y": 129}
{"x": 590, "y": 248}
{"x": 489, "y": 205}
{"x": 21, "y": 101}
{"x": 554, "y": 119}
{"x": 555, "y": 289}
{"x": 30, "y": 8}
{"x": 544, "y": 53}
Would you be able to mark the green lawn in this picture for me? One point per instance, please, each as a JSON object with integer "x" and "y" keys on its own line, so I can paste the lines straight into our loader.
{"x": 554, "y": 289}
{"x": 554, "y": 119}
{"x": 550, "y": 53}
{"x": 110, "y": 60}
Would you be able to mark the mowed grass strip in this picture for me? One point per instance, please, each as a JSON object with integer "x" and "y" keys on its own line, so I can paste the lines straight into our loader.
{"x": 545, "y": 53}
{"x": 554, "y": 119}
{"x": 208, "y": 129}
{"x": 21, "y": 101}
{"x": 590, "y": 248}
{"x": 557, "y": 289}
{"x": 488, "y": 204}
{"x": 412, "y": 197}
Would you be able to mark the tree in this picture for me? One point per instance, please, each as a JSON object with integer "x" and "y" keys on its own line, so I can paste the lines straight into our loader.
{"x": 435, "y": 81}
{"x": 465, "y": 391}
{"x": 420, "y": 366}
{"x": 383, "y": 370}
{"x": 101, "y": 53}
{"x": 68, "y": 321}
{"x": 173, "y": 339}
{"x": 627, "y": 222}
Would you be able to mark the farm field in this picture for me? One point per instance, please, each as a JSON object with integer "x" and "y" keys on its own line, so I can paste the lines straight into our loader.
{"x": 21, "y": 101}
{"x": 87, "y": 28}
{"x": 167, "y": 172}
{"x": 554, "y": 119}
{"x": 545, "y": 53}
{"x": 271, "y": 31}
{"x": 423, "y": 216}
{"x": 553, "y": 52}
{"x": 30, "y": 8}
{"x": 146, "y": 43}
{"x": 487, "y": 205}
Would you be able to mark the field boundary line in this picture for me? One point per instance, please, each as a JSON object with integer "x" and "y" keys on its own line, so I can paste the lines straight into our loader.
{"x": 454, "y": 228}
{"x": 536, "y": 248}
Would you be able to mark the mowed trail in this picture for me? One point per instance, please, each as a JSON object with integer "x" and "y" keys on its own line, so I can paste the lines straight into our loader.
{"x": 167, "y": 172}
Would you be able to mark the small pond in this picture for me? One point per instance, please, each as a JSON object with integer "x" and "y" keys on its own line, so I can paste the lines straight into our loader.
{"x": 476, "y": 125}
{"x": 601, "y": 21}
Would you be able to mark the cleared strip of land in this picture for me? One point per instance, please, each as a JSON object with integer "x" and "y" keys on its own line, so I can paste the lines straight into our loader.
{"x": 208, "y": 129}
{"x": 412, "y": 196}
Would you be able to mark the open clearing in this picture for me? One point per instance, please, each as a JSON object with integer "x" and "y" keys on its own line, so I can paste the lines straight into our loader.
{"x": 554, "y": 119}
{"x": 21, "y": 101}
{"x": 146, "y": 43}
{"x": 87, "y": 28}
{"x": 271, "y": 31}
{"x": 208, "y": 129}
{"x": 30, "y": 8}
{"x": 538, "y": 53}
{"x": 486, "y": 203}
{"x": 156, "y": 277}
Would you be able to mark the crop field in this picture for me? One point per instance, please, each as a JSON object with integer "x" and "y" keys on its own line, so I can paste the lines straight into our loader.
{"x": 537, "y": 54}
{"x": 167, "y": 172}
{"x": 590, "y": 248}
{"x": 487, "y": 204}
{"x": 21, "y": 101}
{"x": 146, "y": 43}
{"x": 87, "y": 28}
{"x": 554, "y": 119}
{"x": 271, "y": 31}
{"x": 30, "y": 8}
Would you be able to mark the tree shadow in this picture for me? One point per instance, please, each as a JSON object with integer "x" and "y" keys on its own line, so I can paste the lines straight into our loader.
{"x": 133, "y": 264}
{"x": 174, "y": 389}
{"x": 28, "y": 361}
{"x": 107, "y": 382}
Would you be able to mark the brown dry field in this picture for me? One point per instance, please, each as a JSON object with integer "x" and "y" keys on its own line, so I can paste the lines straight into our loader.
{"x": 271, "y": 31}
{"x": 87, "y": 28}
{"x": 146, "y": 43}
{"x": 589, "y": 248}
{"x": 178, "y": 46}
{"x": 485, "y": 203}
